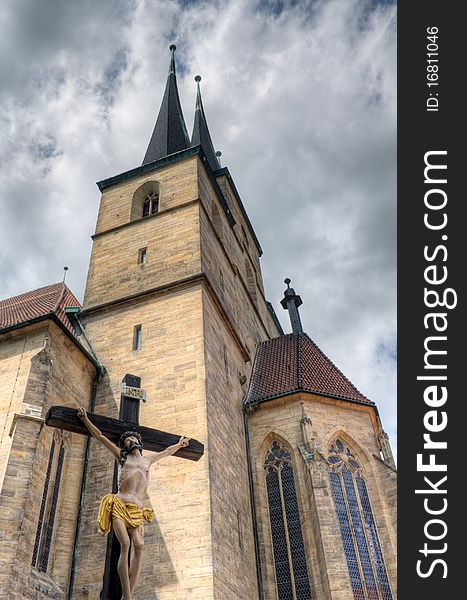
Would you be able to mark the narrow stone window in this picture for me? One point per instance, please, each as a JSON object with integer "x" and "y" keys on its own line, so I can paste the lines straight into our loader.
{"x": 291, "y": 570}
{"x": 245, "y": 238}
{"x": 240, "y": 530}
{"x": 362, "y": 549}
{"x": 142, "y": 256}
{"x": 137, "y": 337}
{"x": 251, "y": 282}
{"x": 48, "y": 509}
{"x": 150, "y": 204}
{"x": 45, "y": 495}
{"x": 217, "y": 221}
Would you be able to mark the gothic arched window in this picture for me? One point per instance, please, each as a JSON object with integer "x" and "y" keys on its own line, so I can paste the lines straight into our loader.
{"x": 289, "y": 551}
{"x": 48, "y": 509}
{"x": 362, "y": 549}
{"x": 150, "y": 204}
{"x": 145, "y": 200}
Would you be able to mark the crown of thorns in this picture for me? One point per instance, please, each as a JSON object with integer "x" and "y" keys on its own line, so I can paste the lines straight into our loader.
{"x": 121, "y": 441}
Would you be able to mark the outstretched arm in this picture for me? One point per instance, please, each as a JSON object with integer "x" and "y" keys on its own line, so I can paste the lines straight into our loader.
{"x": 97, "y": 434}
{"x": 182, "y": 443}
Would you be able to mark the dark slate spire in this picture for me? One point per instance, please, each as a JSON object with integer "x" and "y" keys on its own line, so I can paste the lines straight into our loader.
{"x": 170, "y": 134}
{"x": 291, "y": 301}
{"x": 201, "y": 136}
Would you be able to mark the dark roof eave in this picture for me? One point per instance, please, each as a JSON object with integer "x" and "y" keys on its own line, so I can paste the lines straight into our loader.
{"x": 212, "y": 178}
{"x": 53, "y": 317}
{"x": 272, "y": 312}
{"x": 308, "y": 391}
{"x": 147, "y": 168}
{"x": 172, "y": 158}
{"x": 225, "y": 171}
{"x": 26, "y": 323}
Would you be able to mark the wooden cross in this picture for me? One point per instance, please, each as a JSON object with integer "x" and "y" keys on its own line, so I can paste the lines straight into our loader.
{"x": 153, "y": 439}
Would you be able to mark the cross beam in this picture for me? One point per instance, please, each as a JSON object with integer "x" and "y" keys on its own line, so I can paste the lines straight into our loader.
{"x": 153, "y": 439}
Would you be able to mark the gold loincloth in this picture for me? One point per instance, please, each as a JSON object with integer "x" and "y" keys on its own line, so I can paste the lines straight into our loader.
{"x": 112, "y": 507}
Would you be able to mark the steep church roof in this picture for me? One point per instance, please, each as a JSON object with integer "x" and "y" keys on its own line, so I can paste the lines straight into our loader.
{"x": 38, "y": 305}
{"x": 201, "y": 136}
{"x": 293, "y": 363}
{"x": 170, "y": 133}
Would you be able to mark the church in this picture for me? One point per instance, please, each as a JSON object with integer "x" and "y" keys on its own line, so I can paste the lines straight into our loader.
{"x": 294, "y": 497}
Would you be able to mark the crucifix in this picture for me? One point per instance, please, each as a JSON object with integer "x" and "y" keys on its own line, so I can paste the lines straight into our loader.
{"x": 113, "y": 429}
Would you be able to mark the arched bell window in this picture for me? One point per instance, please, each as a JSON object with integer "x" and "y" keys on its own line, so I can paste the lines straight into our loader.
{"x": 362, "y": 548}
{"x": 150, "y": 204}
{"x": 288, "y": 548}
{"x": 145, "y": 201}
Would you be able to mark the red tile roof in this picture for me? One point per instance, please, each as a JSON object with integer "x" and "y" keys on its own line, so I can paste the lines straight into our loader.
{"x": 37, "y": 305}
{"x": 293, "y": 363}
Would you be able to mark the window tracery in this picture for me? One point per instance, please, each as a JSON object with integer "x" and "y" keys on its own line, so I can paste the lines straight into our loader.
{"x": 362, "y": 548}
{"x": 49, "y": 503}
{"x": 288, "y": 548}
{"x": 150, "y": 204}
{"x": 145, "y": 200}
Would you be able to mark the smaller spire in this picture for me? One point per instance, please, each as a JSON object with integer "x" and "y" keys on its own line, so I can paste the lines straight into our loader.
{"x": 291, "y": 301}
{"x": 201, "y": 136}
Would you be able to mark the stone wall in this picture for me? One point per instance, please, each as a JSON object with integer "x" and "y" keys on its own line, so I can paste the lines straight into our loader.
{"x": 171, "y": 238}
{"x": 232, "y": 531}
{"x": 177, "y": 554}
{"x": 58, "y": 373}
{"x": 280, "y": 419}
{"x": 200, "y": 326}
{"x": 176, "y": 182}
{"x": 16, "y": 351}
{"x": 226, "y": 254}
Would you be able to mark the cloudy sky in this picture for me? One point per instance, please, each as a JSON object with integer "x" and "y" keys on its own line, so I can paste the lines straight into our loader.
{"x": 300, "y": 97}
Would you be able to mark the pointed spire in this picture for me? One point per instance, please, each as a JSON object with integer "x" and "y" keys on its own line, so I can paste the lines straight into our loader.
{"x": 170, "y": 134}
{"x": 201, "y": 134}
{"x": 291, "y": 301}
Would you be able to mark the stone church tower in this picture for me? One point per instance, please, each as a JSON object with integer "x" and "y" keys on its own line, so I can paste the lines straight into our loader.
{"x": 295, "y": 496}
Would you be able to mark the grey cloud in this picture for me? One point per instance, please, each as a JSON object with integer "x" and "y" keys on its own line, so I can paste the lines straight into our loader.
{"x": 300, "y": 98}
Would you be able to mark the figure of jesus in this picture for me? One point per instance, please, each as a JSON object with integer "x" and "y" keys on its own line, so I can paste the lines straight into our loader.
{"x": 124, "y": 510}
